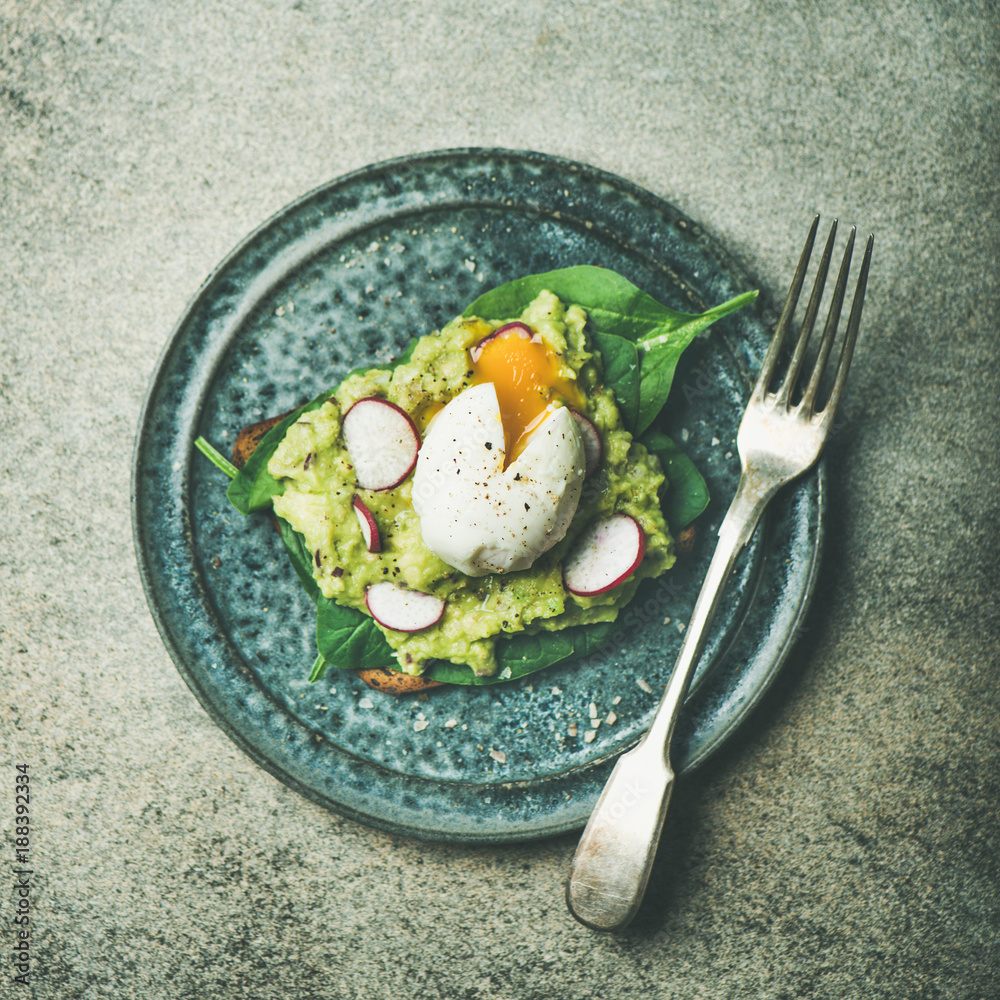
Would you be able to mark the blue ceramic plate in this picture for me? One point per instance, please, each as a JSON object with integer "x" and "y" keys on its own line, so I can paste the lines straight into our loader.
{"x": 345, "y": 277}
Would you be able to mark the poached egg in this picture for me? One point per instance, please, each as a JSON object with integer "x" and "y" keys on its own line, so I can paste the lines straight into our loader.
{"x": 499, "y": 474}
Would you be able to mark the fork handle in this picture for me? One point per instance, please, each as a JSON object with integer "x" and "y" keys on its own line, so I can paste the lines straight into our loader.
{"x": 610, "y": 870}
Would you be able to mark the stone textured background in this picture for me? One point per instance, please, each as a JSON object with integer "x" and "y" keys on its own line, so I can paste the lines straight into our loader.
{"x": 846, "y": 843}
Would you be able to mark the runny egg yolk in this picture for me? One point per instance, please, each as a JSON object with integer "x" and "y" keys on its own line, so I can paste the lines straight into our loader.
{"x": 525, "y": 374}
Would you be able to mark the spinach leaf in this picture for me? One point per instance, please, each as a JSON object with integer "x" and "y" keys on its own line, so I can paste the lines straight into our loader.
{"x": 687, "y": 496}
{"x": 524, "y": 654}
{"x": 300, "y": 557}
{"x": 254, "y": 487}
{"x": 613, "y": 304}
{"x": 318, "y": 669}
{"x": 661, "y": 349}
{"x": 345, "y": 637}
{"x": 348, "y": 638}
{"x": 621, "y": 373}
{"x": 616, "y": 308}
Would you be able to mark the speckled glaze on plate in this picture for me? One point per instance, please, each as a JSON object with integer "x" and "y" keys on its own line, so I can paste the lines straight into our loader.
{"x": 344, "y": 277}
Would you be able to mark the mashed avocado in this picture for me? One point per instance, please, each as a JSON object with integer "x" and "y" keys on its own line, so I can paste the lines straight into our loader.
{"x": 316, "y": 473}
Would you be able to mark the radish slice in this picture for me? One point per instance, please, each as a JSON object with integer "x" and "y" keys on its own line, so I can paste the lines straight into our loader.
{"x": 403, "y": 610}
{"x": 369, "y": 529}
{"x": 593, "y": 447}
{"x": 502, "y": 331}
{"x": 382, "y": 442}
{"x": 606, "y": 554}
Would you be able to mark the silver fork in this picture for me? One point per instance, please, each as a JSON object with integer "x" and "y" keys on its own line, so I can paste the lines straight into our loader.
{"x": 780, "y": 437}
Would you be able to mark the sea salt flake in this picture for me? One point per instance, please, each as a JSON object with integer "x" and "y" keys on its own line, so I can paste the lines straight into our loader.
{"x": 588, "y": 737}
{"x": 366, "y": 703}
{"x": 420, "y": 725}
{"x": 644, "y": 685}
{"x": 451, "y": 723}
{"x": 499, "y": 756}
{"x": 611, "y": 719}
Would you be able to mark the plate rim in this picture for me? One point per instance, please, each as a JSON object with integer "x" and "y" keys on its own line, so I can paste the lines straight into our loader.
{"x": 197, "y": 684}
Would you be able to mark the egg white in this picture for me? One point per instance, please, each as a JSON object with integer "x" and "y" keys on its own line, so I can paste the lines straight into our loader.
{"x": 479, "y": 517}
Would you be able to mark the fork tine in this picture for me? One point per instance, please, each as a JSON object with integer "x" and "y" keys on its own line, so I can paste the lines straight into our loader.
{"x": 774, "y": 350}
{"x": 808, "y": 322}
{"x": 830, "y": 330}
{"x": 850, "y": 338}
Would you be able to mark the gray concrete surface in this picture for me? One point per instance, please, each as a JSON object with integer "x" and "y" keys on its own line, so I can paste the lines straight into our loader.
{"x": 845, "y": 845}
